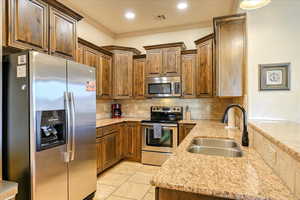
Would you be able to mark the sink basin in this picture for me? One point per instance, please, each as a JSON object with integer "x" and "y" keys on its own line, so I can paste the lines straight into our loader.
{"x": 215, "y": 142}
{"x": 215, "y": 147}
{"x": 214, "y": 151}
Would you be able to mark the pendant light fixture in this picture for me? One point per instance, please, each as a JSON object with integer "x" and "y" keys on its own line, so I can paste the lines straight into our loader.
{"x": 253, "y": 4}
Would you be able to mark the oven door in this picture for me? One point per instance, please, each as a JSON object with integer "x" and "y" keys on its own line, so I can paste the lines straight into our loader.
{"x": 166, "y": 143}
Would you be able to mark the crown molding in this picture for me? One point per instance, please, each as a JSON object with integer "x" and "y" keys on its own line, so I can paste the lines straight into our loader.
{"x": 89, "y": 19}
{"x": 203, "y": 24}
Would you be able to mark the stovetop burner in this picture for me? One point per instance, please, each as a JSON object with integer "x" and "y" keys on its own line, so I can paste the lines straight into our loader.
{"x": 164, "y": 114}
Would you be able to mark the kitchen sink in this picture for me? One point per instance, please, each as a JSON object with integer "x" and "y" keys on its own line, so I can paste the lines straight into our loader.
{"x": 215, "y": 147}
{"x": 215, "y": 142}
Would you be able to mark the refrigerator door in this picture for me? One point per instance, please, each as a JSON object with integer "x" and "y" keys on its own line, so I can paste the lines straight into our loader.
{"x": 48, "y": 84}
{"x": 82, "y": 167}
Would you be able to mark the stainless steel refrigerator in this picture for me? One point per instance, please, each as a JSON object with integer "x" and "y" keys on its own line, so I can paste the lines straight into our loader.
{"x": 49, "y": 127}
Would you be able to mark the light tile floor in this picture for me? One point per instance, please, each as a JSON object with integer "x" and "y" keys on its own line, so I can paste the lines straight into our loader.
{"x": 126, "y": 181}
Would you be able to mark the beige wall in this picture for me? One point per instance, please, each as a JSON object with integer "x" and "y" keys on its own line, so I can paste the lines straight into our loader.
{"x": 205, "y": 108}
{"x": 273, "y": 37}
{"x": 186, "y": 36}
{"x": 90, "y": 33}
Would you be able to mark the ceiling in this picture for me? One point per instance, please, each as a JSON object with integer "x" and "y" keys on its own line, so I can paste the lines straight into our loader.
{"x": 110, "y": 13}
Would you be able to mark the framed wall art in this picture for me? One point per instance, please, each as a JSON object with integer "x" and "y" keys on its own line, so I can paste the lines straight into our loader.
{"x": 274, "y": 76}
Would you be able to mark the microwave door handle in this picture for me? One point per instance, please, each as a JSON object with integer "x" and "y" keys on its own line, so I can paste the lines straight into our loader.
{"x": 72, "y": 102}
{"x": 68, "y": 127}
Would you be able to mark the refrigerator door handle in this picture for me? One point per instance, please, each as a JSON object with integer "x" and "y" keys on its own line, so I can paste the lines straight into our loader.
{"x": 68, "y": 120}
{"x": 72, "y": 103}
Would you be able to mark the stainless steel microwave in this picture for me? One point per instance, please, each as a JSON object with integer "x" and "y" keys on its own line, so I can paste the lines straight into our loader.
{"x": 163, "y": 87}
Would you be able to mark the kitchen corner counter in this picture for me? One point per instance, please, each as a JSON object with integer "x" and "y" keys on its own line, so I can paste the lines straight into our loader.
{"x": 247, "y": 178}
{"x": 8, "y": 190}
{"x": 110, "y": 121}
{"x": 285, "y": 134}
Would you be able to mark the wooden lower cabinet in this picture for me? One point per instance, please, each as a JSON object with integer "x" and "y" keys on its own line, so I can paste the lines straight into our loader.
{"x": 184, "y": 130}
{"x": 111, "y": 149}
{"x": 99, "y": 146}
{"x": 116, "y": 142}
{"x": 133, "y": 141}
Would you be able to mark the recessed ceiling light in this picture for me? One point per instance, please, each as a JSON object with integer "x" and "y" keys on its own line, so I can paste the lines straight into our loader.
{"x": 129, "y": 15}
{"x": 253, "y": 4}
{"x": 182, "y": 5}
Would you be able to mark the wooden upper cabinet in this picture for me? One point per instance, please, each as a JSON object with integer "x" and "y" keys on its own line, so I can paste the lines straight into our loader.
{"x": 80, "y": 53}
{"x": 91, "y": 57}
{"x": 188, "y": 66}
{"x": 63, "y": 35}
{"x": 104, "y": 76}
{"x": 171, "y": 61}
{"x": 122, "y": 71}
{"x": 154, "y": 62}
{"x": 164, "y": 59}
{"x": 27, "y": 24}
{"x": 205, "y": 69}
{"x": 101, "y": 59}
{"x": 139, "y": 77}
{"x": 230, "y": 55}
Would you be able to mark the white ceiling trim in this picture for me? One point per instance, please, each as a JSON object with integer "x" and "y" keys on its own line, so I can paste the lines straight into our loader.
{"x": 203, "y": 24}
{"x": 101, "y": 27}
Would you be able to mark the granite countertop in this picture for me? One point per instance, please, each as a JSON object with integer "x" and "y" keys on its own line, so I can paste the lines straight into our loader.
{"x": 285, "y": 134}
{"x": 247, "y": 178}
{"x": 8, "y": 189}
{"x": 110, "y": 121}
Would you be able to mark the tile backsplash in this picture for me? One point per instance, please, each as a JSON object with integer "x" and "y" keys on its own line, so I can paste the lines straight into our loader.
{"x": 103, "y": 109}
{"x": 205, "y": 108}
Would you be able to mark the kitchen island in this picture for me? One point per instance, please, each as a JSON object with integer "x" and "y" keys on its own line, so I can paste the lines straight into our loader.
{"x": 187, "y": 175}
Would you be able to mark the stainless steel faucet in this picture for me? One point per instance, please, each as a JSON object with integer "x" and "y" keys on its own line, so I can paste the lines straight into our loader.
{"x": 245, "y": 138}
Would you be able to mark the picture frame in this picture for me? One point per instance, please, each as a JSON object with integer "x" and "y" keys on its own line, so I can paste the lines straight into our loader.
{"x": 274, "y": 76}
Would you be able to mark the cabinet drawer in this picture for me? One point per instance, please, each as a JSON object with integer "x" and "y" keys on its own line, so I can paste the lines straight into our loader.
{"x": 109, "y": 129}
{"x": 99, "y": 132}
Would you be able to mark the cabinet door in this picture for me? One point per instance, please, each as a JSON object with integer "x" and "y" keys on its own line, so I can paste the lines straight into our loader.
{"x": 91, "y": 57}
{"x": 154, "y": 62}
{"x": 184, "y": 130}
{"x": 138, "y": 78}
{"x": 28, "y": 24}
{"x": 104, "y": 75}
{"x": 99, "y": 146}
{"x": 134, "y": 142}
{"x": 205, "y": 69}
{"x": 230, "y": 55}
{"x": 111, "y": 150}
{"x": 188, "y": 75}
{"x": 63, "y": 36}
{"x": 124, "y": 140}
{"x": 123, "y": 75}
{"x": 171, "y": 61}
{"x": 80, "y": 54}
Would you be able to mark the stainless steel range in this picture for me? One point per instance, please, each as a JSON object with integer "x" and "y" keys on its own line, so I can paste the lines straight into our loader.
{"x": 160, "y": 134}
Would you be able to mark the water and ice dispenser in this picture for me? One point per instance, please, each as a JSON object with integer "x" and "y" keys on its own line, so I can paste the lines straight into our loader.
{"x": 51, "y": 129}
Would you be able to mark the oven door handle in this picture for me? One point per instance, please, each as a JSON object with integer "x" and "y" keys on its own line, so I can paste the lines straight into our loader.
{"x": 162, "y": 125}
